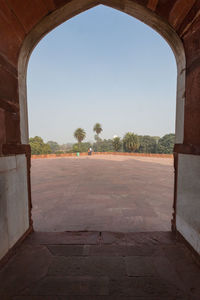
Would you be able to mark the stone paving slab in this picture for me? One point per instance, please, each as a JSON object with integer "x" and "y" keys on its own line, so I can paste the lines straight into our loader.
{"x": 107, "y": 250}
{"x": 152, "y": 238}
{"x": 71, "y": 238}
{"x": 102, "y": 193}
{"x": 30, "y": 264}
{"x": 68, "y": 250}
{"x": 70, "y": 285}
{"x": 85, "y": 266}
{"x": 140, "y": 266}
{"x": 145, "y": 286}
{"x": 150, "y": 266}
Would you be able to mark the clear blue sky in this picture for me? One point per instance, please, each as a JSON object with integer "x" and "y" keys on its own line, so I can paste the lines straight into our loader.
{"x": 101, "y": 66}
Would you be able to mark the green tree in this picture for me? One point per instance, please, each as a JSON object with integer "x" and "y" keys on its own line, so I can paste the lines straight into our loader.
{"x": 54, "y": 146}
{"x": 166, "y": 143}
{"x": 80, "y": 135}
{"x": 117, "y": 144}
{"x": 83, "y": 147}
{"x": 130, "y": 142}
{"x": 147, "y": 144}
{"x": 66, "y": 147}
{"x": 38, "y": 146}
{"x": 103, "y": 146}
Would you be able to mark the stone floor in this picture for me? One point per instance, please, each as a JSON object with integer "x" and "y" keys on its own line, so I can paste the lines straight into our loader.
{"x": 102, "y": 193}
{"x": 100, "y": 266}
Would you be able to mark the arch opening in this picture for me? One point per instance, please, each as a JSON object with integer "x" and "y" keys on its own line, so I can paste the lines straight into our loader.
{"x": 16, "y": 151}
{"x": 74, "y": 8}
{"x": 129, "y": 255}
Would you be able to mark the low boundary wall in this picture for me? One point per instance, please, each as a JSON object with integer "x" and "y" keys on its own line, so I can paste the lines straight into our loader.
{"x": 102, "y": 153}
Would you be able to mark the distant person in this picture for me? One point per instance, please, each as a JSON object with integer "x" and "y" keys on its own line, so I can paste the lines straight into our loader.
{"x": 90, "y": 151}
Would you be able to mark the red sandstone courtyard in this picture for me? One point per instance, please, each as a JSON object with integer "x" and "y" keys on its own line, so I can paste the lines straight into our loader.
{"x": 102, "y": 193}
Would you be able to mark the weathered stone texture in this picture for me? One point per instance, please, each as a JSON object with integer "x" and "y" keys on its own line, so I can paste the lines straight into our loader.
{"x": 192, "y": 44}
{"x": 178, "y": 12}
{"x": 152, "y": 4}
{"x": 189, "y": 19}
{"x": 50, "y": 5}
{"x": 2, "y": 127}
{"x": 29, "y": 13}
{"x": 11, "y": 33}
{"x": 192, "y": 108}
{"x": 12, "y": 127}
{"x": 8, "y": 86}
{"x": 164, "y": 7}
{"x": 35, "y": 273}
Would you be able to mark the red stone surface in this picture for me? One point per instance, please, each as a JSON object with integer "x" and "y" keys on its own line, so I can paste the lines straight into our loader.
{"x": 164, "y": 7}
{"x": 192, "y": 108}
{"x": 60, "y": 3}
{"x": 29, "y": 12}
{"x": 11, "y": 32}
{"x": 12, "y": 126}
{"x": 152, "y": 4}
{"x": 115, "y": 193}
{"x": 142, "y": 266}
{"x": 179, "y": 11}
{"x": 191, "y": 43}
{"x": 189, "y": 19}
{"x": 2, "y": 127}
{"x": 8, "y": 91}
{"x": 50, "y": 4}
{"x": 6, "y": 65}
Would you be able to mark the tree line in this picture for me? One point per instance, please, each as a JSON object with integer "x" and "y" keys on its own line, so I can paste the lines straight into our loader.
{"x": 131, "y": 142}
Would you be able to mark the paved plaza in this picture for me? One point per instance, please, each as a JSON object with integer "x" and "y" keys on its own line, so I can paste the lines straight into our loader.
{"x": 102, "y": 193}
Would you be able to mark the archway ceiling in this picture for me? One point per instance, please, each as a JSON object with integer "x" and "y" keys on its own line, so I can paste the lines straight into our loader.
{"x": 19, "y": 17}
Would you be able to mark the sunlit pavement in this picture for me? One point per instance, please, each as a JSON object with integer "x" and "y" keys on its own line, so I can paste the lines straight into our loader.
{"x": 102, "y": 193}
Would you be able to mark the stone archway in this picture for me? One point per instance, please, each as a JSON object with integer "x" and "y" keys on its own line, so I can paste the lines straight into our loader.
{"x": 135, "y": 10}
{"x": 177, "y": 21}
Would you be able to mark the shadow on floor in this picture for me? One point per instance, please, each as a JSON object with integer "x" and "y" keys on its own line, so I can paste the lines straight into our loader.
{"x": 100, "y": 265}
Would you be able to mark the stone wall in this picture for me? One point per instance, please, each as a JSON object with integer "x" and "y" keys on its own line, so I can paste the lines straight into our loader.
{"x": 101, "y": 153}
{"x": 14, "y": 211}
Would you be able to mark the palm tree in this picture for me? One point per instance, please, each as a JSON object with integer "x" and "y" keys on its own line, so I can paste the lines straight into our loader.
{"x": 131, "y": 142}
{"x": 98, "y": 129}
{"x": 80, "y": 135}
